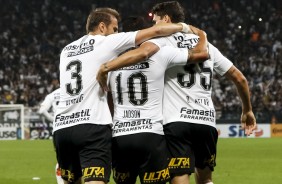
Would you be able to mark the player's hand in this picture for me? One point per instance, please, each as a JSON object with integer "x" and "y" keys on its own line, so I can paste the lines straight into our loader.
{"x": 186, "y": 28}
{"x": 102, "y": 77}
{"x": 248, "y": 122}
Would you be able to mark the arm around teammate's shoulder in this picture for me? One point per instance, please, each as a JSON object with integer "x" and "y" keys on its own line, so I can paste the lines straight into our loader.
{"x": 161, "y": 29}
{"x": 200, "y": 52}
{"x": 129, "y": 58}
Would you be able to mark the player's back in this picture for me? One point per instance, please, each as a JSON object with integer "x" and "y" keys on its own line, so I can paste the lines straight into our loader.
{"x": 187, "y": 94}
{"x": 82, "y": 100}
{"x": 138, "y": 91}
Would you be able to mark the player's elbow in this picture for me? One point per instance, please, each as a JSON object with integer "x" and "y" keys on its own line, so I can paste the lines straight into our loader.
{"x": 137, "y": 56}
{"x": 144, "y": 55}
{"x": 158, "y": 30}
{"x": 147, "y": 50}
{"x": 240, "y": 80}
{"x": 237, "y": 77}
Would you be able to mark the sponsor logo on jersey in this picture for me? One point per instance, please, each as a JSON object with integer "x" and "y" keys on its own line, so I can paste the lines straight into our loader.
{"x": 80, "y": 51}
{"x": 197, "y": 114}
{"x": 82, "y": 45}
{"x": 179, "y": 163}
{"x": 129, "y": 126}
{"x": 93, "y": 172}
{"x": 162, "y": 175}
{"x": 83, "y": 115}
{"x": 184, "y": 42}
{"x": 137, "y": 66}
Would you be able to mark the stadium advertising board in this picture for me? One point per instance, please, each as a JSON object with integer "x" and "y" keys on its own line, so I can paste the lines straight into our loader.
{"x": 276, "y": 130}
{"x": 37, "y": 127}
{"x": 9, "y": 133}
{"x": 10, "y": 122}
{"x": 234, "y": 131}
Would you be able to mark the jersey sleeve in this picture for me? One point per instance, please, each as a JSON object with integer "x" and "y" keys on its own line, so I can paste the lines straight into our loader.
{"x": 221, "y": 63}
{"x": 122, "y": 41}
{"x": 174, "y": 56}
{"x": 46, "y": 104}
{"x": 160, "y": 42}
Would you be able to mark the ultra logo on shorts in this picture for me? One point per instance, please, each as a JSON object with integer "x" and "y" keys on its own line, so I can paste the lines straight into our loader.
{"x": 162, "y": 175}
{"x": 179, "y": 163}
{"x": 93, "y": 172}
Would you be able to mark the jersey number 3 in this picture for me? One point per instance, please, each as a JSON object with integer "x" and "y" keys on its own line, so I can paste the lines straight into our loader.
{"x": 76, "y": 87}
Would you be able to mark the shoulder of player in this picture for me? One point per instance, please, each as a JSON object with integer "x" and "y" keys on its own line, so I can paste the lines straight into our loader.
{"x": 122, "y": 34}
{"x": 73, "y": 45}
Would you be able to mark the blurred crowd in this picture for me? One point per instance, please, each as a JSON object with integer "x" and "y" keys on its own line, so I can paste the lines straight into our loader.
{"x": 248, "y": 32}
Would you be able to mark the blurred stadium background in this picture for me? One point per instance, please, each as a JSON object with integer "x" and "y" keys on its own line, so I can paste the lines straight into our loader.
{"x": 32, "y": 33}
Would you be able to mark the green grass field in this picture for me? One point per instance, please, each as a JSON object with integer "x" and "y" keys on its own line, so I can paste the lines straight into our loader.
{"x": 239, "y": 160}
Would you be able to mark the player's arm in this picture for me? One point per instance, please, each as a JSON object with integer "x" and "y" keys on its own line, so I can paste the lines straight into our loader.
{"x": 48, "y": 115}
{"x": 161, "y": 29}
{"x": 200, "y": 52}
{"x": 131, "y": 57}
{"x": 147, "y": 49}
{"x": 44, "y": 107}
{"x": 248, "y": 120}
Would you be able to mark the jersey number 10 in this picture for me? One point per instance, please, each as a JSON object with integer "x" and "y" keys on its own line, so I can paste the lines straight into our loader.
{"x": 131, "y": 84}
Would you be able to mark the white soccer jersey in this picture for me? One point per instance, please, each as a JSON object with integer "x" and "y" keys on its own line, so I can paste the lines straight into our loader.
{"x": 187, "y": 94}
{"x": 51, "y": 100}
{"x": 137, "y": 93}
{"x": 82, "y": 100}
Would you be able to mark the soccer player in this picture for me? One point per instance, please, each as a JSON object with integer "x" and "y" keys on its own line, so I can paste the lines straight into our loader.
{"x": 139, "y": 147}
{"x": 47, "y": 109}
{"x": 82, "y": 123}
{"x": 190, "y": 127}
{"x": 49, "y": 105}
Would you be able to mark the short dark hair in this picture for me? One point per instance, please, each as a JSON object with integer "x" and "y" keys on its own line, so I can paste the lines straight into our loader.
{"x": 134, "y": 23}
{"x": 100, "y": 15}
{"x": 171, "y": 8}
